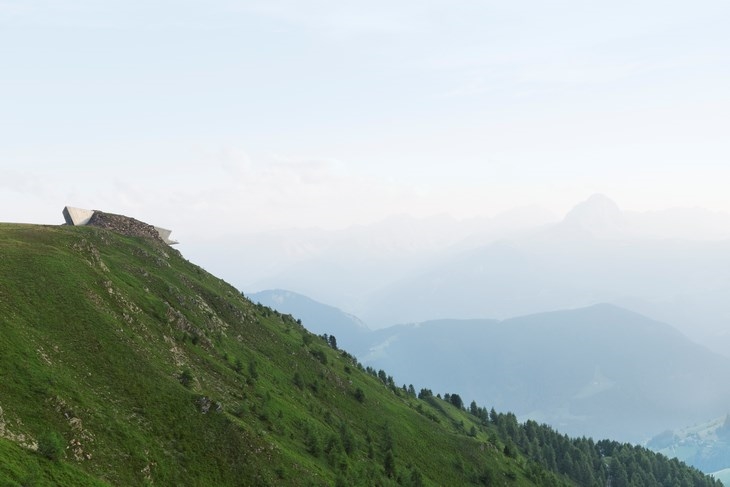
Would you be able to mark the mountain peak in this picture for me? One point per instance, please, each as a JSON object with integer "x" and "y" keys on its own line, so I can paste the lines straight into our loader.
{"x": 599, "y": 216}
{"x": 596, "y": 205}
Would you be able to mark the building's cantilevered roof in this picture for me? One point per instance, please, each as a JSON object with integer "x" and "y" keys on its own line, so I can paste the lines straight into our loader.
{"x": 165, "y": 235}
{"x": 77, "y": 216}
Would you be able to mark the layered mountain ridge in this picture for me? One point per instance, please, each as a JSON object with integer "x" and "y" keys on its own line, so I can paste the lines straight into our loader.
{"x": 595, "y": 371}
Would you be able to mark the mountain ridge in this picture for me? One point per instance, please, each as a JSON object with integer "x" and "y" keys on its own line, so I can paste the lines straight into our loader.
{"x": 450, "y": 351}
{"x": 124, "y": 364}
{"x": 661, "y": 263}
{"x": 317, "y": 317}
{"x": 554, "y": 353}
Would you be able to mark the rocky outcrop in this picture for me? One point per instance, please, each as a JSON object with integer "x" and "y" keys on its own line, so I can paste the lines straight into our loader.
{"x": 118, "y": 223}
{"x": 124, "y": 225}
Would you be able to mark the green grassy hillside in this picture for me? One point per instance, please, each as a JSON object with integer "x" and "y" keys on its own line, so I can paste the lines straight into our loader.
{"x": 123, "y": 364}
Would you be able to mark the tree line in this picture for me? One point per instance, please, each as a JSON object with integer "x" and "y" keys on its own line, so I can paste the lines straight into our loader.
{"x": 585, "y": 462}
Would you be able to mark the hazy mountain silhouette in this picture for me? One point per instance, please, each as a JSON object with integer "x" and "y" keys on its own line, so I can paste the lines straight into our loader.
{"x": 316, "y": 317}
{"x": 704, "y": 445}
{"x": 595, "y": 254}
{"x": 589, "y": 371}
{"x": 665, "y": 264}
{"x": 345, "y": 267}
{"x": 597, "y": 217}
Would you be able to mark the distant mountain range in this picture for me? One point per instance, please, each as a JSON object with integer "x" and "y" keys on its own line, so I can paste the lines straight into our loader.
{"x": 345, "y": 267}
{"x": 596, "y": 254}
{"x": 705, "y": 445}
{"x": 316, "y": 317}
{"x": 592, "y": 371}
{"x": 670, "y": 265}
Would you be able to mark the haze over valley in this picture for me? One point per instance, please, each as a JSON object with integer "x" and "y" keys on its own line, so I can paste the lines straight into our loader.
{"x": 519, "y": 317}
{"x": 663, "y": 264}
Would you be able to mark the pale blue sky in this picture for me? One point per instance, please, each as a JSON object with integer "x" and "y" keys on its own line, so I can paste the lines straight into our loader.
{"x": 325, "y": 113}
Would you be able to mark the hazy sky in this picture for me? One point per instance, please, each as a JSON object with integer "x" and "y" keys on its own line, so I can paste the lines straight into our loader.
{"x": 190, "y": 114}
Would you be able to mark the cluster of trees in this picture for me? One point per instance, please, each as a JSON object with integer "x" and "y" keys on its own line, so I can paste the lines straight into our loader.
{"x": 590, "y": 463}
{"x": 551, "y": 454}
{"x": 381, "y": 375}
{"x": 331, "y": 340}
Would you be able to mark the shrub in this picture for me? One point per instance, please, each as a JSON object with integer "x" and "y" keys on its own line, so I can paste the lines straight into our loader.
{"x": 320, "y": 355}
{"x": 186, "y": 378}
{"x": 252, "y": 370}
{"x": 50, "y": 445}
{"x": 359, "y": 395}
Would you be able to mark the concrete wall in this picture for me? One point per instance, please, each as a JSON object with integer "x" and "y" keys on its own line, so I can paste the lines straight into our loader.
{"x": 77, "y": 216}
{"x": 165, "y": 235}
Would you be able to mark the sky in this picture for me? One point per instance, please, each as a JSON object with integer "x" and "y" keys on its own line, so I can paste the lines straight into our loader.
{"x": 241, "y": 116}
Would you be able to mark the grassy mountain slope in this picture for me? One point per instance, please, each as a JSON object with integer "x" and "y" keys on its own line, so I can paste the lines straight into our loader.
{"x": 123, "y": 364}
{"x": 146, "y": 369}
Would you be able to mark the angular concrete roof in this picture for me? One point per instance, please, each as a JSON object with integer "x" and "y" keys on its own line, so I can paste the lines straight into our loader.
{"x": 77, "y": 216}
{"x": 165, "y": 235}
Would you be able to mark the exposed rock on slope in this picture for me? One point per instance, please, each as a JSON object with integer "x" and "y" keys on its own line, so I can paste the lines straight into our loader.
{"x": 124, "y": 225}
{"x": 121, "y": 224}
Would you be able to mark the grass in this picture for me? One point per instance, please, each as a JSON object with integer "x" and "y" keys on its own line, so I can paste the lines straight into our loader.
{"x": 147, "y": 370}
{"x": 97, "y": 331}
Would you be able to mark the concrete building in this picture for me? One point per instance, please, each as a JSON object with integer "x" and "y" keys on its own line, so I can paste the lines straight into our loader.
{"x": 82, "y": 217}
{"x": 77, "y": 216}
